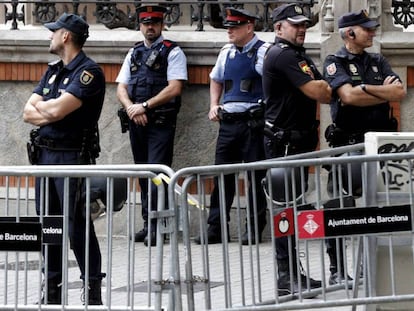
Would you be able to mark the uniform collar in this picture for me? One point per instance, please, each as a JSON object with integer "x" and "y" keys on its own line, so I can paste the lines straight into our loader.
{"x": 249, "y": 44}
{"x": 155, "y": 43}
{"x": 73, "y": 64}
{"x": 76, "y": 61}
{"x": 295, "y": 47}
{"x": 343, "y": 53}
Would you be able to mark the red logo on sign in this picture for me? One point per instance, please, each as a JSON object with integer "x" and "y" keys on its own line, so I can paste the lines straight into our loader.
{"x": 284, "y": 224}
{"x": 311, "y": 225}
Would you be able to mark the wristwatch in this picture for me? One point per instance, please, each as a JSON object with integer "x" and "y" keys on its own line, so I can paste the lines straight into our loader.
{"x": 363, "y": 87}
{"x": 145, "y": 105}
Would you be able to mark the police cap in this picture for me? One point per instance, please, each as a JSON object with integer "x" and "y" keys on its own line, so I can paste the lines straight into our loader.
{"x": 151, "y": 13}
{"x": 290, "y": 12}
{"x": 236, "y": 17}
{"x": 71, "y": 22}
{"x": 357, "y": 19}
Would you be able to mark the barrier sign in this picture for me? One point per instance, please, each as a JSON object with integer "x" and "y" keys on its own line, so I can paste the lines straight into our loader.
{"x": 354, "y": 221}
{"x": 17, "y": 236}
{"x": 284, "y": 223}
{"x": 52, "y": 228}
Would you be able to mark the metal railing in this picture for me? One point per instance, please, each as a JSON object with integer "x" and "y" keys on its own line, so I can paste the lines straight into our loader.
{"x": 114, "y": 14}
{"x": 122, "y": 13}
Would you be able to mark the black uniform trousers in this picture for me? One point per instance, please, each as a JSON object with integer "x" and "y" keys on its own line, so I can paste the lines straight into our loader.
{"x": 307, "y": 144}
{"x": 77, "y": 231}
{"x": 152, "y": 144}
{"x": 237, "y": 142}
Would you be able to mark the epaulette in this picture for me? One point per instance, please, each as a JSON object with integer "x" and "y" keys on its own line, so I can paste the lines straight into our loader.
{"x": 283, "y": 45}
{"x": 138, "y": 43}
{"x": 168, "y": 43}
{"x": 227, "y": 46}
{"x": 55, "y": 62}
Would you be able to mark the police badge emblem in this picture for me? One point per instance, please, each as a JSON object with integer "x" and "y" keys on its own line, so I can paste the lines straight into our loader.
{"x": 86, "y": 77}
{"x": 331, "y": 69}
{"x": 52, "y": 79}
{"x": 353, "y": 69}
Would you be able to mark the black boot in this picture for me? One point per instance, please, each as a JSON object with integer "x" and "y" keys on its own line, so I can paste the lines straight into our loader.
{"x": 54, "y": 292}
{"x": 213, "y": 236}
{"x": 94, "y": 292}
{"x": 337, "y": 265}
{"x": 142, "y": 234}
{"x": 245, "y": 237}
{"x": 151, "y": 239}
{"x": 286, "y": 286}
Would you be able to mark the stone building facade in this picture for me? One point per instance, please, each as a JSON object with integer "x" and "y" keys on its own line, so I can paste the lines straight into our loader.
{"x": 23, "y": 57}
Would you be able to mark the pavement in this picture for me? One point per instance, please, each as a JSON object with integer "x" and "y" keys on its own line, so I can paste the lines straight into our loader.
{"x": 128, "y": 267}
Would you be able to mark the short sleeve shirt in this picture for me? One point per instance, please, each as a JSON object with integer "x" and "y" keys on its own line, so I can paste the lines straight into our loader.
{"x": 285, "y": 69}
{"x": 82, "y": 78}
{"x": 370, "y": 68}
{"x": 176, "y": 70}
{"x": 217, "y": 73}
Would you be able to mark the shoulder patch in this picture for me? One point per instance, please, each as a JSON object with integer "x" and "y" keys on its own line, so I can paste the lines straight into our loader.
{"x": 167, "y": 43}
{"x": 283, "y": 45}
{"x": 331, "y": 69}
{"x": 303, "y": 65}
{"x": 86, "y": 77}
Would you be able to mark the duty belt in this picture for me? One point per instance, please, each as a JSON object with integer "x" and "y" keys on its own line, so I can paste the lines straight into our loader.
{"x": 255, "y": 113}
{"x": 54, "y": 144}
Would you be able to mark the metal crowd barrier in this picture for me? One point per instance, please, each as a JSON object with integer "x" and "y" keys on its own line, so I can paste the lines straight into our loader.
{"x": 133, "y": 271}
{"x": 372, "y": 215}
{"x": 371, "y": 211}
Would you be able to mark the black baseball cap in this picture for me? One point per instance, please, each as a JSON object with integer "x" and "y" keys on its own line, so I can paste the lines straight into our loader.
{"x": 151, "y": 13}
{"x": 71, "y": 22}
{"x": 291, "y": 12}
{"x": 357, "y": 19}
{"x": 236, "y": 17}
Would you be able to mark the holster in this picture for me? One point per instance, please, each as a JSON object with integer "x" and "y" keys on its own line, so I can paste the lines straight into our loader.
{"x": 90, "y": 147}
{"x": 33, "y": 149}
{"x": 124, "y": 120}
{"x": 335, "y": 136}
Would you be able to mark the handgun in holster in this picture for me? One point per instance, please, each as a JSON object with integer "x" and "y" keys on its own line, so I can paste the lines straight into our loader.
{"x": 90, "y": 147}
{"x": 33, "y": 148}
{"x": 123, "y": 118}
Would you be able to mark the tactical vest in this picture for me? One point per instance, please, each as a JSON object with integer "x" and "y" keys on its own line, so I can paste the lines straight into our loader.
{"x": 149, "y": 72}
{"x": 242, "y": 83}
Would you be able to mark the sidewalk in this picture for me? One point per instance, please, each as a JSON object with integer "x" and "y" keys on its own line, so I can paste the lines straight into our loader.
{"x": 121, "y": 275}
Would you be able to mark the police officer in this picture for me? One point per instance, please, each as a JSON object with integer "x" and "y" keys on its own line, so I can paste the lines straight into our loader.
{"x": 150, "y": 83}
{"x": 66, "y": 105}
{"x": 292, "y": 87}
{"x": 237, "y": 76}
{"x": 363, "y": 84}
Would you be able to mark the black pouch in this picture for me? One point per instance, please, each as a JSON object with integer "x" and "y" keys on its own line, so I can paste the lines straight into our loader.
{"x": 123, "y": 118}
{"x": 393, "y": 124}
{"x": 256, "y": 118}
{"x": 336, "y": 136}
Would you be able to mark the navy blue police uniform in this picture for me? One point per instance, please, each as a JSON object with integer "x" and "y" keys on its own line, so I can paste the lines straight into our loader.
{"x": 153, "y": 143}
{"x": 146, "y": 71}
{"x": 240, "y": 137}
{"x": 352, "y": 122}
{"x": 72, "y": 140}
